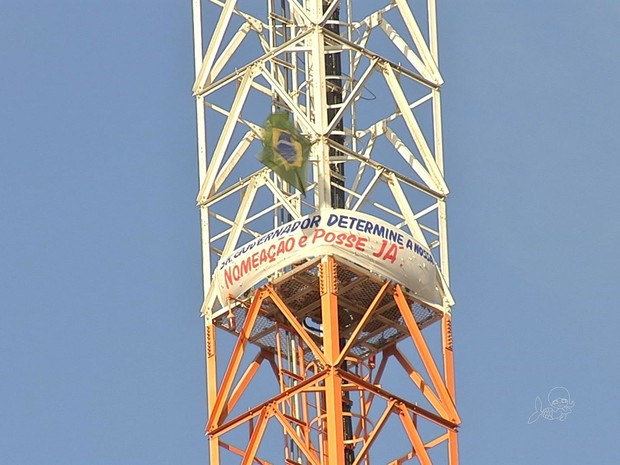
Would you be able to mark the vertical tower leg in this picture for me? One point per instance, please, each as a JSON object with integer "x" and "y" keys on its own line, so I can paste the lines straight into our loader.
{"x": 211, "y": 362}
{"x": 446, "y": 333}
{"x": 331, "y": 347}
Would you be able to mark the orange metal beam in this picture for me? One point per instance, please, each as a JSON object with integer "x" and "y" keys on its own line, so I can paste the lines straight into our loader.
{"x": 235, "y": 359}
{"x": 376, "y": 381}
{"x": 438, "y": 440}
{"x": 420, "y": 383}
{"x": 448, "y": 354}
{"x": 360, "y": 326}
{"x": 211, "y": 369}
{"x": 299, "y": 329}
{"x": 310, "y": 455}
{"x": 427, "y": 446}
{"x": 331, "y": 346}
{"x": 243, "y": 382}
{"x": 365, "y": 385}
{"x": 414, "y": 436}
{"x": 372, "y": 436}
{"x": 453, "y": 448}
{"x": 448, "y": 358}
{"x": 257, "y": 435}
{"x": 308, "y": 385}
{"x": 425, "y": 354}
{"x": 240, "y": 452}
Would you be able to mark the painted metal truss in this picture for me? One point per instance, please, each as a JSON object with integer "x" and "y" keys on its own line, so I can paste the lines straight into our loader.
{"x": 377, "y": 149}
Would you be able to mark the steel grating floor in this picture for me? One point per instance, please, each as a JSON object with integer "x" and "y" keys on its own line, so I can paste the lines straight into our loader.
{"x": 357, "y": 288}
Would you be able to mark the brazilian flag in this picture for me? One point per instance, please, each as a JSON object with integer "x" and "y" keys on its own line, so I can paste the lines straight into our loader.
{"x": 285, "y": 150}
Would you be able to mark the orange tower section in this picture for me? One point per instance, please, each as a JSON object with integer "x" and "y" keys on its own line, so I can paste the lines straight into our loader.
{"x": 327, "y": 306}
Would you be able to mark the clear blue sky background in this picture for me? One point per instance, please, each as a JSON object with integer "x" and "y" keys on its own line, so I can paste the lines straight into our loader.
{"x": 101, "y": 346}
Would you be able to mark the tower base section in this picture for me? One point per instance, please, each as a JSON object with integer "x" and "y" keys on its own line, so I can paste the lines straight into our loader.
{"x": 326, "y": 333}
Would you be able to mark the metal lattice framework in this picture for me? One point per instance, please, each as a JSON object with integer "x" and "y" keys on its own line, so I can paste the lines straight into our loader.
{"x": 361, "y": 81}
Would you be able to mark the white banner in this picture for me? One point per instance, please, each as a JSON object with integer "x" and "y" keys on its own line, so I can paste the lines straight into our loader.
{"x": 362, "y": 239}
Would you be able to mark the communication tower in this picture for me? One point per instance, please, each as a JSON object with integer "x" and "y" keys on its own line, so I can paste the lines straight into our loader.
{"x": 327, "y": 313}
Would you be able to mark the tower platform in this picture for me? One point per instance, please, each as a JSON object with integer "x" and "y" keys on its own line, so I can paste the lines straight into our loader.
{"x": 357, "y": 288}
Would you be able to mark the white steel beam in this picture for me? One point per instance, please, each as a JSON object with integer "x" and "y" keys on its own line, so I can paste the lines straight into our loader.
{"x": 418, "y": 38}
{"x": 229, "y": 127}
{"x": 217, "y": 37}
{"x": 412, "y": 124}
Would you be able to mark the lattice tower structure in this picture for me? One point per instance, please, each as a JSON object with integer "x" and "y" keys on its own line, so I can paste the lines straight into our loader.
{"x": 327, "y": 315}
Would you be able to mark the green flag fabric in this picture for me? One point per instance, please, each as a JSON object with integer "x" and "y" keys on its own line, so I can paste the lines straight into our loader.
{"x": 285, "y": 150}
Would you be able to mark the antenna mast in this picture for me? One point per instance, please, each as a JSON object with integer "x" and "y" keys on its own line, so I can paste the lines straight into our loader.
{"x": 338, "y": 300}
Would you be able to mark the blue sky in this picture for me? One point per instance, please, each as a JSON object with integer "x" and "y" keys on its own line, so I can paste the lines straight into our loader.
{"x": 101, "y": 342}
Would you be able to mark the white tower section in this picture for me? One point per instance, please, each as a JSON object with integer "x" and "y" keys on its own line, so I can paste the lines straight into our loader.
{"x": 266, "y": 56}
{"x": 360, "y": 80}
